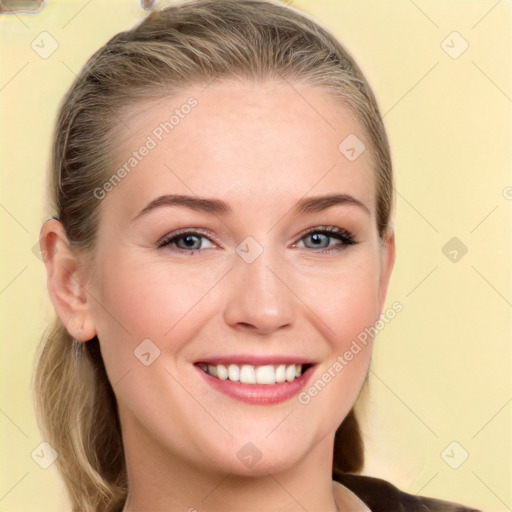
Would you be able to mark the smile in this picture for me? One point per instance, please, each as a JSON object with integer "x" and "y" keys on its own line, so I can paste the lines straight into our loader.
{"x": 251, "y": 374}
{"x": 258, "y": 384}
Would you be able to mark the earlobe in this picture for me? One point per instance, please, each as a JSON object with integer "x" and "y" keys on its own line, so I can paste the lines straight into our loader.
{"x": 66, "y": 281}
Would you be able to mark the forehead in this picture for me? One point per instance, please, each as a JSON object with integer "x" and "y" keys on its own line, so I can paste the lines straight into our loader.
{"x": 244, "y": 140}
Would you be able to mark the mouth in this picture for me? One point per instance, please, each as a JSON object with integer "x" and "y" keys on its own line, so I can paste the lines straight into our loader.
{"x": 269, "y": 382}
{"x": 267, "y": 374}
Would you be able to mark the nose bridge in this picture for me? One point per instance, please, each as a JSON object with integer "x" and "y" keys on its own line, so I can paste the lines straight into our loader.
{"x": 259, "y": 296}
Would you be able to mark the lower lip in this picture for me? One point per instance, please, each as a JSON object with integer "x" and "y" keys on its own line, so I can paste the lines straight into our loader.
{"x": 258, "y": 393}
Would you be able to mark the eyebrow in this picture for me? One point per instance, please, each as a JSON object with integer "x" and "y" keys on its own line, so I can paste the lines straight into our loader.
{"x": 219, "y": 207}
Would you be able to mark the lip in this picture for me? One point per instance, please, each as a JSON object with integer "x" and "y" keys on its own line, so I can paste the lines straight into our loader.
{"x": 255, "y": 360}
{"x": 258, "y": 394}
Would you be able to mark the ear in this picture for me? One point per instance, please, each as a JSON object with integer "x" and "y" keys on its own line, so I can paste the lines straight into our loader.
{"x": 66, "y": 280}
{"x": 387, "y": 264}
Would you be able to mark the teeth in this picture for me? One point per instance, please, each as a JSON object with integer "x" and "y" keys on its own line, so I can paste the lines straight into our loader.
{"x": 249, "y": 374}
{"x": 222, "y": 372}
{"x": 290, "y": 373}
{"x": 234, "y": 372}
{"x": 265, "y": 375}
{"x": 281, "y": 373}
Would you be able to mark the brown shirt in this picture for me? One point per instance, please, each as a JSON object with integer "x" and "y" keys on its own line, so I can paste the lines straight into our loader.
{"x": 381, "y": 496}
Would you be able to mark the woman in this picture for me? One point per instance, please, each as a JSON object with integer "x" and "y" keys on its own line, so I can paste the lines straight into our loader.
{"x": 222, "y": 236}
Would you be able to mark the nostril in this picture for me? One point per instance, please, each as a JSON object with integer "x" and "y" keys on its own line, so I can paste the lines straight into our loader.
{"x": 245, "y": 324}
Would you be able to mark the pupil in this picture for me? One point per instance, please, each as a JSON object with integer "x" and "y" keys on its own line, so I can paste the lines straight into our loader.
{"x": 316, "y": 238}
{"x": 189, "y": 240}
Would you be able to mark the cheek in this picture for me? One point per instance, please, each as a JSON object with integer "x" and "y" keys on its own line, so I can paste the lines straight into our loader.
{"x": 339, "y": 378}
{"x": 347, "y": 307}
{"x": 345, "y": 301}
{"x": 137, "y": 301}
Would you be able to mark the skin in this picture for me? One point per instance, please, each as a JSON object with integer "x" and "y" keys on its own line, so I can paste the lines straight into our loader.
{"x": 260, "y": 148}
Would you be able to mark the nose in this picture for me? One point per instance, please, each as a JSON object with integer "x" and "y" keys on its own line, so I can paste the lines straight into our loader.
{"x": 259, "y": 298}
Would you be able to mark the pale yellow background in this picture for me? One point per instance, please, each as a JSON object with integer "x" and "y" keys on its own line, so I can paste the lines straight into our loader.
{"x": 441, "y": 369}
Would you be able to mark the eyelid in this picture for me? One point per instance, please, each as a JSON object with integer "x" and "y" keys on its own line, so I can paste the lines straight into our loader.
{"x": 342, "y": 235}
{"x": 329, "y": 229}
{"x": 166, "y": 239}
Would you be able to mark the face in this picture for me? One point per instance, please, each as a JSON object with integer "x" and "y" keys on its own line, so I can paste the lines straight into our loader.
{"x": 260, "y": 277}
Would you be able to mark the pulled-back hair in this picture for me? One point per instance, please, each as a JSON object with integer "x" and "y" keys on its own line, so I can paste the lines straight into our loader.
{"x": 180, "y": 45}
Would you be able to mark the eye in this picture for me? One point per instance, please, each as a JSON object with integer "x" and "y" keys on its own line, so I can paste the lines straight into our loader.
{"x": 321, "y": 238}
{"x": 190, "y": 241}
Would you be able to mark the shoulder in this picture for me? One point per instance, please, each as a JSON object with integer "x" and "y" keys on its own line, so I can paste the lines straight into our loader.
{"x": 381, "y": 496}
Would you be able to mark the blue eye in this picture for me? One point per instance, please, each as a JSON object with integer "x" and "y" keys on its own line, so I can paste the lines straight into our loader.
{"x": 322, "y": 237}
{"x": 192, "y": 241}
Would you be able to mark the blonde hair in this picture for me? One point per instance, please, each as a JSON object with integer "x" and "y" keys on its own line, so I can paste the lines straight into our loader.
{"x": 188, "y": 43}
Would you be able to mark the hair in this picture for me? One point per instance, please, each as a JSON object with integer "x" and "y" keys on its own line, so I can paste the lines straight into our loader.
{"x": 180, "y": 45}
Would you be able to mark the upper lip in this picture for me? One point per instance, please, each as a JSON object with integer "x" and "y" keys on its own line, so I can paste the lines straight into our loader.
{"x": 255, "y": 360}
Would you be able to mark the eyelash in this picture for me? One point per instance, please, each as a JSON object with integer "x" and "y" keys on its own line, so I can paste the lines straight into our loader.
{"x": 335, "y": 232}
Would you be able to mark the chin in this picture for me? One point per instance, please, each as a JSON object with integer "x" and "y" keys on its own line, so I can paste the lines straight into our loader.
{"x": 257, "y": 456}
